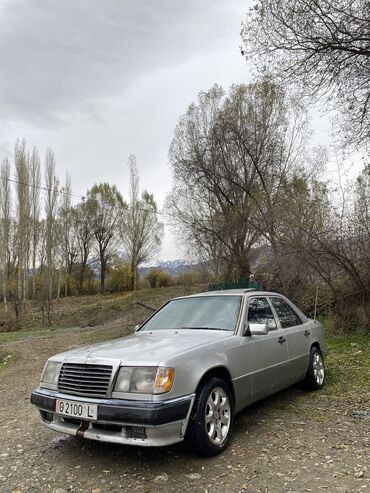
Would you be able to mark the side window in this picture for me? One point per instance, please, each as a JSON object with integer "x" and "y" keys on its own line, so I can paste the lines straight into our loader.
{"x": 286, "y": 314}
{"x": 259, "y": 312}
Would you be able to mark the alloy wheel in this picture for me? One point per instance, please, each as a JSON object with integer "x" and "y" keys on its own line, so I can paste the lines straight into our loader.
{"x": 318, "y": 368}
{"x": 217, "y": 416}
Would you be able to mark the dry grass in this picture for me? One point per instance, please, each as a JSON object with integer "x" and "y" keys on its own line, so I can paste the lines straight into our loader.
{"x": 80, "y": 311}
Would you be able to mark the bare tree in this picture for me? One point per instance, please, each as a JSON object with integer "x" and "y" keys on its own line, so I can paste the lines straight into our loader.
{"x": 69, "y": 241}
{"x": 361, "y": 211}
{"x": 84, "y": 236}
{"x": 141, "y": 231}
{"x": 6, "y": 225}
{"x": 104, "y": 207}
{"x": 320, "y": 46}
{"x": 51, "y": 208}
{"x": 35, "y": 184}
{"x": 41, "y": 250}
{"x": 23, "y": 222}
{"x": 232, "y": 156}
{"x": 328, "y": 240}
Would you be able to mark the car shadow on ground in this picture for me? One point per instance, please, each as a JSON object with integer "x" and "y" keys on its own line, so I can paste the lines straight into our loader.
{"x": 154, "y": 459}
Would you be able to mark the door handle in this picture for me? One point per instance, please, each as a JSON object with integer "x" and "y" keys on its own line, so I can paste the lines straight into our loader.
{"x": 281, "y": 339}
{"x": 307, "y": 333}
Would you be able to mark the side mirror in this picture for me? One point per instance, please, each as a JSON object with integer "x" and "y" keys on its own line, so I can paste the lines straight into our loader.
{"x": 137, "y": 327}
{"x": 258, "y": 330}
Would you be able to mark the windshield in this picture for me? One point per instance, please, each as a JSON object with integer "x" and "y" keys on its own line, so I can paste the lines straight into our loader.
{"x": 205, "y": 312}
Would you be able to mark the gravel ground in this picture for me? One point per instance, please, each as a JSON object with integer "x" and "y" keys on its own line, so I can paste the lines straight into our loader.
{"x": 291, "y": 442}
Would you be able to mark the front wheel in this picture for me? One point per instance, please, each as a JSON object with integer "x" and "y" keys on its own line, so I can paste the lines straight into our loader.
{"x": 315, "y": 376}
{"x": 211, "y": 421}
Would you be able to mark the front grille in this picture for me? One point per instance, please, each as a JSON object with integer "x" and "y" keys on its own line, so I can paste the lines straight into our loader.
{"x": 85, "y": 379}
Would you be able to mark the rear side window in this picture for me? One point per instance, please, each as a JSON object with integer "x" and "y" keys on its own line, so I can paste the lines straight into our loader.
{"x": 259, "y": 312}
{"x": 286, "y": 314}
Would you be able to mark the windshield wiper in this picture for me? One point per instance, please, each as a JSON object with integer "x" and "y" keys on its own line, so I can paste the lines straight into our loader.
{"x": 203, "y": 328}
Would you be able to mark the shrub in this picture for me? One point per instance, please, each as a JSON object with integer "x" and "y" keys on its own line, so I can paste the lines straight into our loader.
{"x": 164, "y": 279}
{"x": 188, "y": 278}
{"x": 119, "y": 277}
{"x": 158, "y": 278}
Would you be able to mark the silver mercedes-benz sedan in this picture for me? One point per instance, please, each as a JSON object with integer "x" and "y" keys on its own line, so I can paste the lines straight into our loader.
{"x": 185, "y": 372}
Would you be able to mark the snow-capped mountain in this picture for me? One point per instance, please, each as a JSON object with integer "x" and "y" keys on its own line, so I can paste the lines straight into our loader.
{"x": 172, "y": 267}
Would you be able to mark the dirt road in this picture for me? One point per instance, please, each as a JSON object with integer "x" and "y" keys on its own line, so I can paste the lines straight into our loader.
{"x": 292, "y": 442}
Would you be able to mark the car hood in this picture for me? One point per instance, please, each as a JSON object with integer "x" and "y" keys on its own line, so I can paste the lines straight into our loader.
{"x": 145, "y": 348}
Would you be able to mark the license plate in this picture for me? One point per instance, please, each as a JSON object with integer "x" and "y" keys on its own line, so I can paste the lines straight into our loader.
{"x": 76, "y": 409}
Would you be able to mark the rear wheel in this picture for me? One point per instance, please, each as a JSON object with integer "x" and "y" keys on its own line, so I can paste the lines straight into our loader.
{"x": 211, "y": 421}
{"x": 315, "y": 376}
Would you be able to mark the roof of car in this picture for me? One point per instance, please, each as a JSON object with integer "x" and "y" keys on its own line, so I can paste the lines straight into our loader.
{"x": 223, "y": 292}
{"x": 229, "y": 291}
{"x": 243, "y": 292}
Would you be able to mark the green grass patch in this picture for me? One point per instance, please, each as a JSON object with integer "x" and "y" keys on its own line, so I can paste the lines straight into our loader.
{"x": 7, "y": 359}
{"x": 347, "y": 382}
{"x": 32, "y": 334}
{"x": 348, "y": 367}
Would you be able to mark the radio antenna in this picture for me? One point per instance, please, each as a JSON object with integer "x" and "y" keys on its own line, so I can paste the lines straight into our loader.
{"x": 315, "y": 310}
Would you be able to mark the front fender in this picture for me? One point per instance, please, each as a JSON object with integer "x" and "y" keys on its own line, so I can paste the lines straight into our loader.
{"x": 192, "y": 366}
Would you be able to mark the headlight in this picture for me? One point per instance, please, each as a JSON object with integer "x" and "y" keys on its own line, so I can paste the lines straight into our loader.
{"x": 51, "y": 372}
{"x": 145, "y": 380}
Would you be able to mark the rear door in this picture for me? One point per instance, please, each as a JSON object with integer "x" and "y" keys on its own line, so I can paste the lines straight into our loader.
{"x": 267, "y": 355}
{"x": 298, "y": 337}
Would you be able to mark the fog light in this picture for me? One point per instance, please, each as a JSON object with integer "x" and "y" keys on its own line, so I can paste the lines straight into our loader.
{"x": 135, "y": 432}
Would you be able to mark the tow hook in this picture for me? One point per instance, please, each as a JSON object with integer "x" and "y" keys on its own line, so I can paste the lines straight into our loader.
{"x": 81, "y": 430}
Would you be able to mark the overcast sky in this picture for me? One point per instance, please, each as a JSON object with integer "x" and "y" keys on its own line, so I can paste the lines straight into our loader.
{"x": 97, "y": 80}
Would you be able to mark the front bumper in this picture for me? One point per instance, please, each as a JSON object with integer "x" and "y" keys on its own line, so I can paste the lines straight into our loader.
{"x": 131, "y": 422}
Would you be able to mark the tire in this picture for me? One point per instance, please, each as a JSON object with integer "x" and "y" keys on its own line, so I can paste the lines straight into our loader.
{"x": 211, "y": 421}
{"x": 315, "y": 376}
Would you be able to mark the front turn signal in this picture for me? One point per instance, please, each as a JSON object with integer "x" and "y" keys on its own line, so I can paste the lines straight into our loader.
{"x": 164, "y": 380}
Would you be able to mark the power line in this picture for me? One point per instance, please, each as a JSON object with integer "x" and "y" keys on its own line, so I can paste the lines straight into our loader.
{"x": 62, "y": 192}
{"x": 44, "y": 188}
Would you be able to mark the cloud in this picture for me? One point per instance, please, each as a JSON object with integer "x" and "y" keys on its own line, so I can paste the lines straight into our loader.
{"x": 58, "y": 57}
{"x": 97, "y": 80}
